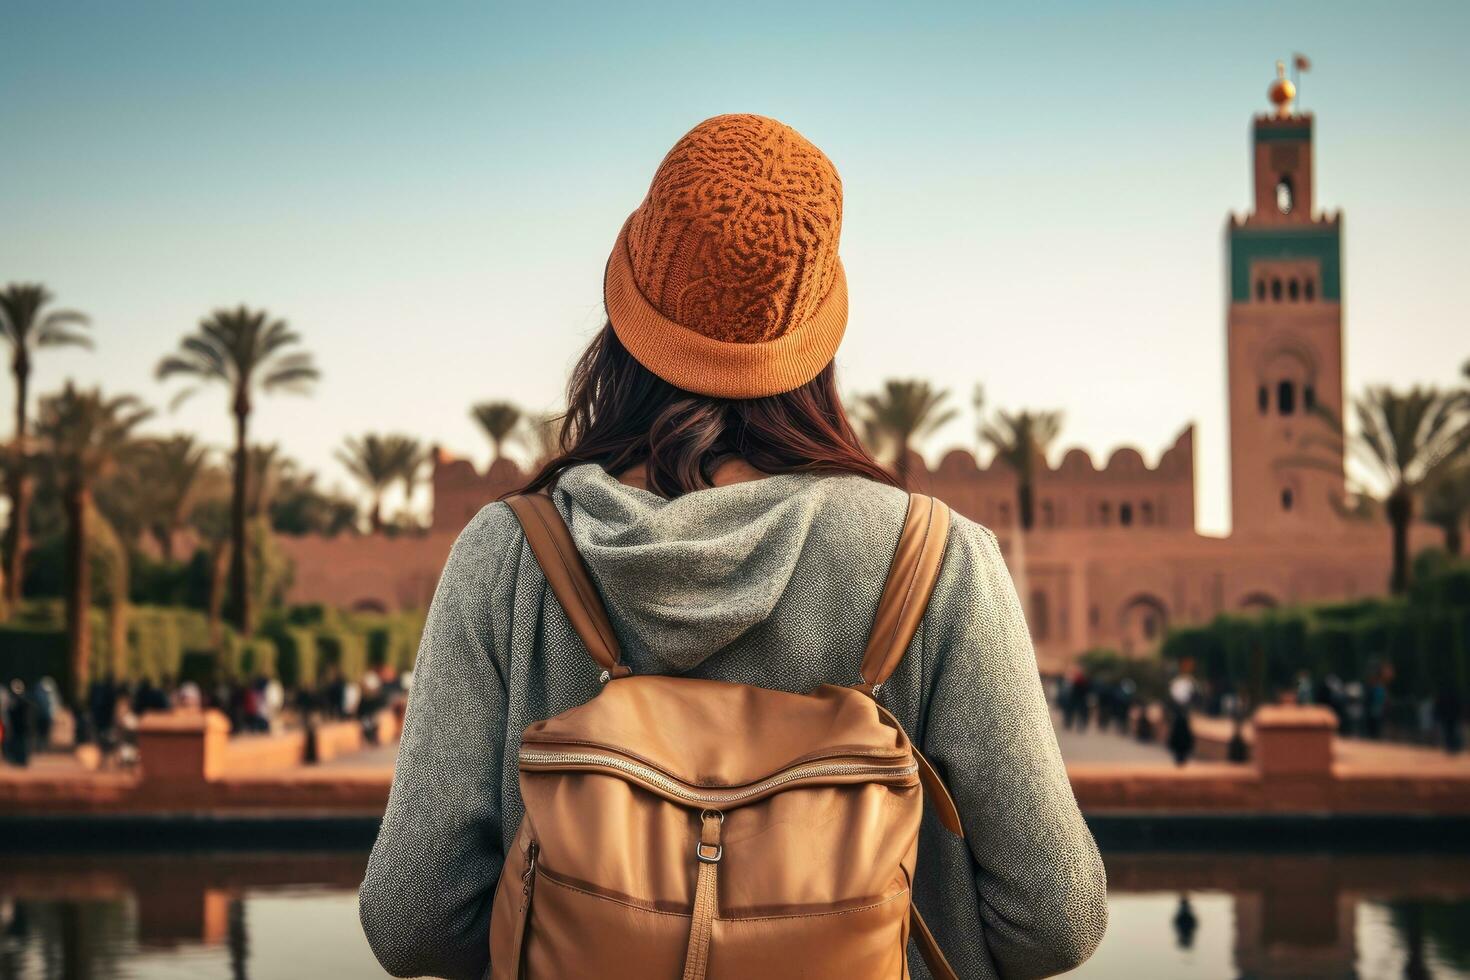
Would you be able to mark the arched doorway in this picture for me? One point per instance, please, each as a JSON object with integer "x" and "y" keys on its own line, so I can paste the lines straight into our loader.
{"x": 1142, "y": 623}
{"x": 1258, "y": 602}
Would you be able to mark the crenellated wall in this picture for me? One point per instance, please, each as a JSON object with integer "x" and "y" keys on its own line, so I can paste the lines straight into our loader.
{"x": 460, "y": 490}
{"x": 1114, "y": 559}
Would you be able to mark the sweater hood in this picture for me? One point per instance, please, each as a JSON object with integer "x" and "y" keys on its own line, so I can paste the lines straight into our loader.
{"x": 684, "y": 578}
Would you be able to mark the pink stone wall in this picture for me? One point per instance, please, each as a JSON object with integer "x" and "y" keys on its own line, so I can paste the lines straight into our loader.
{"x": 1084, "y": 583}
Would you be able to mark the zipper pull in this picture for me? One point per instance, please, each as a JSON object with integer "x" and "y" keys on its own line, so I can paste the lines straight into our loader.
{"x": 529, "y": 875}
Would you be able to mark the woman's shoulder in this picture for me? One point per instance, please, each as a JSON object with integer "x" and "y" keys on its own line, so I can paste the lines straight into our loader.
{"x": 487, "y": 544}
{"x": 493, "y": 527}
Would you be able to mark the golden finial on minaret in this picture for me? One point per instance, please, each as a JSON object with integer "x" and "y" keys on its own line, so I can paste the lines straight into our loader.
{"x": 1282, "y": 92}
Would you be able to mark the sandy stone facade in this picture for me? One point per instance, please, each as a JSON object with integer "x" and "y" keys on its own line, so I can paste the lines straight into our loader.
{"x": 1114, "y": 558}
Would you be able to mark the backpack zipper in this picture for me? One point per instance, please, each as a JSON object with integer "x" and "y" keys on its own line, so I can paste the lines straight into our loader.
{"x": 539, "y": 757}
{"x": 528, "y": 877}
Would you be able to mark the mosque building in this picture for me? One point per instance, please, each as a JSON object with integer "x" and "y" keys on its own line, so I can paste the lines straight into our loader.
{"x": 1114, "y": 557}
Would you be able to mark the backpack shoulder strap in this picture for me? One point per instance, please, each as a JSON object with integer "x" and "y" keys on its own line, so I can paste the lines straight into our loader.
{"x": 551, "y": 544}
{"x": 911, "y": 579}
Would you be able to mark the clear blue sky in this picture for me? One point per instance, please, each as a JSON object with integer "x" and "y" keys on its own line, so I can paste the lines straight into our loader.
{"x": 1035, "y": 194}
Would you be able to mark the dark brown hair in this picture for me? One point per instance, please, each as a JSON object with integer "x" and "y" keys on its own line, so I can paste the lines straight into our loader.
{"x": 621, "y": 415}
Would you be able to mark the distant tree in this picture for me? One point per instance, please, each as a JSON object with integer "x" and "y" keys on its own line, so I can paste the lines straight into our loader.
{"x": 1406, "y": 440}
{"x": 267, "y": 468}
{"x": 298, "y": 507}
{"x": 249, "y": 352}
{"x": 415, "y": 457}
{"x": 83, "y": 434}
{"x": 1447, "y": 503}
{"x": 27, "y": 324}
{"x": 171, "y": 472}
{"x": 545, "y": 436}
{"x": 378, "y": 462}
{"x": 899, "y": 414}
{"x": 210, "y": 520}
{"x": 499, "y": 420}
{"x": 1021, "y": 440}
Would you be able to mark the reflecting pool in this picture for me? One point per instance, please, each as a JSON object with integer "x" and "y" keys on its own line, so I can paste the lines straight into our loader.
{"x": 1173, "y": 915}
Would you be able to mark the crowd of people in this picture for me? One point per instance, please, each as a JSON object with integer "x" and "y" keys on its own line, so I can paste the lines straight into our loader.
{"x": 31, "y": 717}
{"x": 26, "y": 717}
{"x": 1115, "y": 704}
{"x": 1080, "y": 699}
{"x": 1362, "y": 707}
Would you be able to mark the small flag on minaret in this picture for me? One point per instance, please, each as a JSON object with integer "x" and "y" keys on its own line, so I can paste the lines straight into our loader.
{"x": 1301, "y": 62}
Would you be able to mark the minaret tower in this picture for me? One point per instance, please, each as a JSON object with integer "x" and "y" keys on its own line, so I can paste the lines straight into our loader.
{"x": 1283, "y": 323}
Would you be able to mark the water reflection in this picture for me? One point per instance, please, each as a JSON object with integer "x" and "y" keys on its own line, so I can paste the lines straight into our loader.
{"x": 267, "y": 916}
{"x": 1185, "y": 923}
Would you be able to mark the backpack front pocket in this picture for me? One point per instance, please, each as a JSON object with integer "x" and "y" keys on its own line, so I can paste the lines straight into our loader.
{"x": 851, "y": 941}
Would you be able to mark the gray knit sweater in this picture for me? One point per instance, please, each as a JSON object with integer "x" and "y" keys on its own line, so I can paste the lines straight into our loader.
{"x": 771, "y": 582}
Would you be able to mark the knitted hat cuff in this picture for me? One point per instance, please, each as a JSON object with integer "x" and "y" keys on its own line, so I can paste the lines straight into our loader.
{"x": 717, "y": 368}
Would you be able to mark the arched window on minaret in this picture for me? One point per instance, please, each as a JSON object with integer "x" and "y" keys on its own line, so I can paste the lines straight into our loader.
{"x": 1260, "y": 290}
{"x": 1286, "y": 398}
{"x": 1105, "y": 513}
{"x": 1276, "y": 290}
{"x": 1309, "y": 398}
{"x": 1284, "y": 196}
{"x": 1263, "y": 399}
{"x": 1288, "y": 499}
{"x": 1309, "y": 289}
{"x": 1293, "y": 290}
{"x": 1125, "y": 514}
{"x": 1146, "y": 512}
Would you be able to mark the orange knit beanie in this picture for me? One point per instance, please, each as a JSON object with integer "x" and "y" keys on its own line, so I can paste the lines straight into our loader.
{"x": 726, "y": 280}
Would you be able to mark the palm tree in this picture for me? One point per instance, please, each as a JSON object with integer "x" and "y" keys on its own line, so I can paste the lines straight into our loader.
{"x": 83, "y": 435}
{"x": 901, "y": 413}
{"x": 415, "y": 457}
{"x": 247, "y": 351}
{"x": 1447, "y": 503}
{"x": 298, "y": 507}
{"x": 499, "y": 420}
{"x": 1021, "y": 440}
{"x": 171, "y": 470}
{"x": 545, "y": 436}
{"x": 27, "y": 323}
{"x": 210, "y": 520}
{"x": 267, "y": 468}
{"x": 379, "y": 462}
{"x": 1405, "y": 441}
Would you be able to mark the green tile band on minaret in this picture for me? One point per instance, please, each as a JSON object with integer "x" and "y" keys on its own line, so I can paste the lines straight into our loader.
{"x": 1320, "y": 243}
{"x": 1297, "y": 131}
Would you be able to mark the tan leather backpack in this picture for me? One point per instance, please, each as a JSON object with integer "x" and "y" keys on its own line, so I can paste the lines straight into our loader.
{"x": 690, "y": 828}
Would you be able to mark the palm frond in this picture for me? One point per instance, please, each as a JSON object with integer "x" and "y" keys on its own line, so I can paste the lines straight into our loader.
{"x": 242, "y": 348}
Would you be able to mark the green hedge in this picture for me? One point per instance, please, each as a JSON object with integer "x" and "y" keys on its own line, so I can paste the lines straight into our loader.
{"x": 296, "y": 656}
{"x": 297, "y": 645}
{"x": 1424, "y": 639}
{"x": 341, "y": 650}
{"x": 394, "y": 640}
{"x": 243, "y": 659}
{"x": 155, "y": 644}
